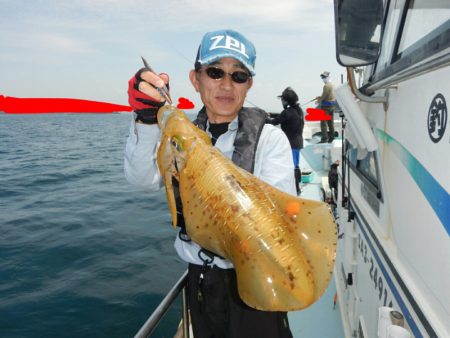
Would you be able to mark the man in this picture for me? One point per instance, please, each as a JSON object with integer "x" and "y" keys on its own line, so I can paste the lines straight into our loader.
{"x": 292, "y": 123}
{"x": 223, "y": 74}
{"x": 327, "y": 102}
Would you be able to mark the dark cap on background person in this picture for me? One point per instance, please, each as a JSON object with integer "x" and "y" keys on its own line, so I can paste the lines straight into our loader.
{"x": 226, "y": 43}
{"x": 325, "y": 74}
{"x": 289, "y": 95}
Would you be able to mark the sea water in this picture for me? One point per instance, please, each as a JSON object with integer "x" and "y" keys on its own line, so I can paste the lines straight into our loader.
{"x": 82, "y": 252}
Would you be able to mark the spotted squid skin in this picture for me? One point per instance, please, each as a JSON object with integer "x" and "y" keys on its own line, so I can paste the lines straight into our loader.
{"x": 283, "y": 247}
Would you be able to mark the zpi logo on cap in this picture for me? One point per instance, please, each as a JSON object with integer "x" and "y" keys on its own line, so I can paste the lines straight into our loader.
{"x": 228, "y": 43}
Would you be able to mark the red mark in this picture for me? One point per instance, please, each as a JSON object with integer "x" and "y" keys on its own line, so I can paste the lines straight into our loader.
{"x": 14, "y": 105}
{"x": 184, "y": 103}
{"x": 316, "y": 114}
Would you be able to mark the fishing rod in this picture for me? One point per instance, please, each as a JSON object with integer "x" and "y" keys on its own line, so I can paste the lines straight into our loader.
{"x": 254, "y": 105}
{"x": 163, "y": 91}
{"x": 308, "y": 101}
{"x": 300, "y": 104}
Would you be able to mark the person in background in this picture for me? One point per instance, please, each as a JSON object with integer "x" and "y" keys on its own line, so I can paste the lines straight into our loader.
{"x": 222, "y": 75}
{"x": 291, "y": 122}
{"x": 333, "y": 180}
{"x": 327, "y": 102}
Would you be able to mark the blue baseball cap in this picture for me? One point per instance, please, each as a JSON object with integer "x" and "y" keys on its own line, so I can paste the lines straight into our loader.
{"x": 226, "y": 43}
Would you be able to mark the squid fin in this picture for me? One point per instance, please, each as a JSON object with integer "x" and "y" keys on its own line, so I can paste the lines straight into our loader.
{"x": 315, "y": 227}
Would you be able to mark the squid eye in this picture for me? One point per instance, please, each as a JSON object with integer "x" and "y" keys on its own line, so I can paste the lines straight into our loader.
{"x": 176, "y": 144}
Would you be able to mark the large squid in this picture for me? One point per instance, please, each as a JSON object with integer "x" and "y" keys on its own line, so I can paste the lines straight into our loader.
{"x": 282, "y": 247}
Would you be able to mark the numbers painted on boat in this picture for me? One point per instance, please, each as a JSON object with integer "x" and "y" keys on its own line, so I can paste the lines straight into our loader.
{"x": 375, "y": 274}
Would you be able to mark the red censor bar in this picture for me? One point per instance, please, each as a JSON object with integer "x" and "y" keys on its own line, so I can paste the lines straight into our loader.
{"x": 15, "y": 105}
{"x": 316, "y": 114}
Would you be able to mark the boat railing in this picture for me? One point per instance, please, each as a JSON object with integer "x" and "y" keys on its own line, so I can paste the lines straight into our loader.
{"x": 154, "y": 319}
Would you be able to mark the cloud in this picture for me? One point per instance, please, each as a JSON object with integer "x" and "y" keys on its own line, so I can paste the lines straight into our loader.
{"x": 70, "y": 24}
{"x": 284, "y": 14}
{"x": 183, "y": 15}
{"x": 94, "y": 46}
{"x": 62, "y": 43}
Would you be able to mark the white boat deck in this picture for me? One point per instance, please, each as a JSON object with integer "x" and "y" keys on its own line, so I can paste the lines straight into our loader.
{"x": 322, "y": 319}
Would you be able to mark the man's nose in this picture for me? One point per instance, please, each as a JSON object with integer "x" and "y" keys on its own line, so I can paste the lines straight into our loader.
{"x": 226, "y": 81}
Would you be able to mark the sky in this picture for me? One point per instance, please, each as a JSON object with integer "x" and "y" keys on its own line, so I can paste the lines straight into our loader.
{"x": 89, "y": 49}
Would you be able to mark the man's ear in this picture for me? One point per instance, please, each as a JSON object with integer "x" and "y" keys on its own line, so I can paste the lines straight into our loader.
{"x": 193, "y": 77}
{"x": 250, "y": 83}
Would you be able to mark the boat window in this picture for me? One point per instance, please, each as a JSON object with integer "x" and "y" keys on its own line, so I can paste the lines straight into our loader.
{"x": 366, "y": 169}
{"x": 425, "y": 20}
{"x": 415, "y": 30}
{"x": 367, "y": 166}
{"x": 390, "y": 33}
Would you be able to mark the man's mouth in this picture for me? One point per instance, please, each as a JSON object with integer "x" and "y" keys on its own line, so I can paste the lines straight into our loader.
{"x": 224, "y": 99}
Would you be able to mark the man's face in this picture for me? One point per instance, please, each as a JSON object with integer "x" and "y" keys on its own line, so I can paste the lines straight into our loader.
{"x": 223, "y": 98}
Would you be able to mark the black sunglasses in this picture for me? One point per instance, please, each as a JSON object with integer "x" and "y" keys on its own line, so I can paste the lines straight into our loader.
{"x": 218, "y": 73}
